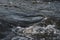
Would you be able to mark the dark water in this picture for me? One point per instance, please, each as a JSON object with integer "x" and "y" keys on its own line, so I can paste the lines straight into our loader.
{"x": 26, "y": 13}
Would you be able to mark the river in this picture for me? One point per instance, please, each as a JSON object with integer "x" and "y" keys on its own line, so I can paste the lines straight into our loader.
{"x": 29, "y": 20}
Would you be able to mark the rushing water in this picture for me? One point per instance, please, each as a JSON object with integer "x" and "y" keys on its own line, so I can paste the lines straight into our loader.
{"x": 29, "y": 20}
